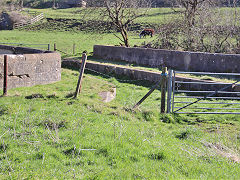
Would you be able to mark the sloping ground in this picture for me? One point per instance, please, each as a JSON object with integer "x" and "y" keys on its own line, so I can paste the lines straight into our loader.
{"x": 46, "y": 134}
{"x": 62, "y": 24}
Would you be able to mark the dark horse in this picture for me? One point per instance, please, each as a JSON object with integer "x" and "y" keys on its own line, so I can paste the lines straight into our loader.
{"x": 146, "y": 32}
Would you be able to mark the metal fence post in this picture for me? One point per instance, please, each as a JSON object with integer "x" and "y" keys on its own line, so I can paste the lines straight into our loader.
{"x": 55, "y": 47}
{"x": 169, "y": 90}
{"x": 48, "y": 47}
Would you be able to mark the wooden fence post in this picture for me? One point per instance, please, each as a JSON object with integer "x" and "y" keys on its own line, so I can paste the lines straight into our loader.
{"x": 55, "y": 47}
{"x": 83, "y": 64}
{"x": 169, "y": 90}
{"x": 146, "y": 96}
{"x": 163, "y": 88}
{"x": 74, "y": 48}
{"x": 5, "y": 75}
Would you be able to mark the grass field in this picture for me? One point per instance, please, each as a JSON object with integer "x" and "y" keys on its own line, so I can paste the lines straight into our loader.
{"x": 155, "y": 15}
{"x": 65, "y": 40}
{"x": 52, "y": 136}
{"x": 55, "y": 136}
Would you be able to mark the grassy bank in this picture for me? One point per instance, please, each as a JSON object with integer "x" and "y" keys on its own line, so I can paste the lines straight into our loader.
{"x": 45, "y": 134}
{"x": 51, "y": 135}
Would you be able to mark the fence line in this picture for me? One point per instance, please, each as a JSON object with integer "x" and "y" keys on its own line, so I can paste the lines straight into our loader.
{"x": 66, "y": 53}
{"x": 29, "y": 22}
{"x": 45, "y": 46}
{"x": 120, "y": 80}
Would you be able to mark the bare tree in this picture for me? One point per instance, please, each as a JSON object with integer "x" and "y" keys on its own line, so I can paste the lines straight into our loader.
{"x": 202, "y": 28}
{"x": 121, "y": 13}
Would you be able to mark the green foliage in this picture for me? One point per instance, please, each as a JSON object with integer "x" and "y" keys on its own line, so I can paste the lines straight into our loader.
{"x": 3, "y": 110}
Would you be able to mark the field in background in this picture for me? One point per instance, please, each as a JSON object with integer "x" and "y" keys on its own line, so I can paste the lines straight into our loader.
{"x": 155, "y": 15}
{"x": 64, "y": 40}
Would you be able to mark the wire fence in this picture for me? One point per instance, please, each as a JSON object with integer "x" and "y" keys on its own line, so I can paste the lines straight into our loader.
{"x": 69, "y": 51}
{"x": 38, "y": 46}
{"x": 108, "y": 76}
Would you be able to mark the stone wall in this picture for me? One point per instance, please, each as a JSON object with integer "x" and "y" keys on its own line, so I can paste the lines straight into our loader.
{"x": 177, "y": 60}
{"x": 30, "y": 67}
{"x": 136, "y": 74}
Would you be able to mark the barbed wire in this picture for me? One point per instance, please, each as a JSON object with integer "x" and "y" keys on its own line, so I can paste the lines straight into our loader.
{"x": 120, "y": 80}
{"x": 63, "y": 52}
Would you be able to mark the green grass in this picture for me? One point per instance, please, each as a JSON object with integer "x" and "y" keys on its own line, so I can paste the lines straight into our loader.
{"x": 57, "y": 137}
{"x": 65, "y": 40}
{"x": 154, "y": 15}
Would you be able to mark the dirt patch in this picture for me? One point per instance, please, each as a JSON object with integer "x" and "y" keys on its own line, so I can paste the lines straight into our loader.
{"x": 224, "y": 151}
{"x": 34, "y": 96}
{"x": 108, "y": 96}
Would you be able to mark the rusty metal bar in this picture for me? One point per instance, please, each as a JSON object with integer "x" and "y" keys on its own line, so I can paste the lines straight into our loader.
{"x": 5, "y": 75}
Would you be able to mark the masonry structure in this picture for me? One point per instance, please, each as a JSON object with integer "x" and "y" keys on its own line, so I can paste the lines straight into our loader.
{"x": 29, "y": 67}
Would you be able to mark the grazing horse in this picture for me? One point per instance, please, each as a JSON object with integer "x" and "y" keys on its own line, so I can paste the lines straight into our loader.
{"x": 146, "y": 32}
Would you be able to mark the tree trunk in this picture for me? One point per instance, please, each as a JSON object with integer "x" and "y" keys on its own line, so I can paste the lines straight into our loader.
{"x": 21, "y": 4}
{"x": 54, "y": 4}
{"x": 125, "y": 36}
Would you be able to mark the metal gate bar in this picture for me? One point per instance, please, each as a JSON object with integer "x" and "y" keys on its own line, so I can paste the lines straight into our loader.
{"x": 225, "y": 92}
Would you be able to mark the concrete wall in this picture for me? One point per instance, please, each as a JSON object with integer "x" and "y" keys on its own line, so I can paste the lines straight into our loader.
{"x": 145, "y": 75}
{"x": 20, "y": 50}
{"x": 35, "y": 67}
{"x": 177, "y": 60}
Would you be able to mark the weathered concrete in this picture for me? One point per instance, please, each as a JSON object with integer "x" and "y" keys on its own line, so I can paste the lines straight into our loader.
{"x": 177, "y": 60}
{"x": 145, "y": 75}
{"x": 108, "y": 96}
{"x": 6, "y": 51}
{"x": 33, "y": 68}
{"x": 20, "y": 50}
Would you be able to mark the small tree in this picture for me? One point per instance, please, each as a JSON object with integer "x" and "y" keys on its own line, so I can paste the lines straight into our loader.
{"x": 121, "y": 13}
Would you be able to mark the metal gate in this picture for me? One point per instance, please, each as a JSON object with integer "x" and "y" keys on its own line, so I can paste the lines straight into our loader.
{"x": 203, "y": 93}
